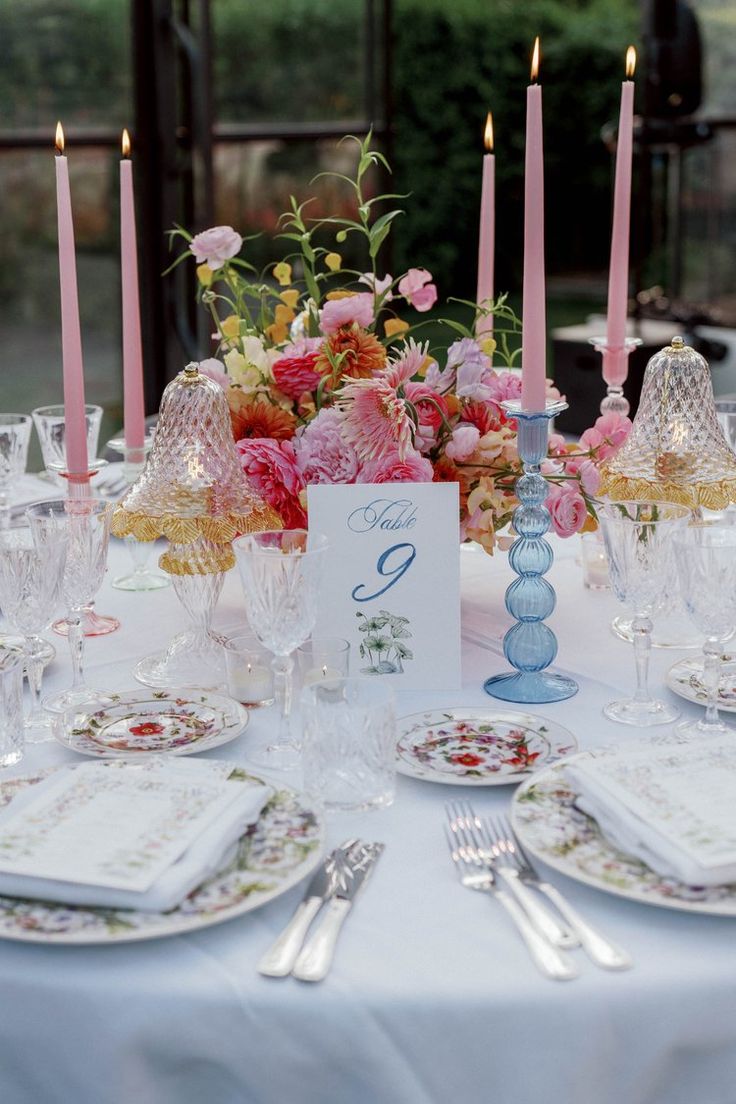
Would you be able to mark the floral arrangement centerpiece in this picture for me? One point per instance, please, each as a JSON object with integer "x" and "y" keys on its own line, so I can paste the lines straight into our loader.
{"x": 328, "y": 381}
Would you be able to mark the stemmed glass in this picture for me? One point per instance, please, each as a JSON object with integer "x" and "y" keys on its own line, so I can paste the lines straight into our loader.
{"x": 30, "y": 576}
{"x": 15, "y": 434}
{"x": 85, "y": 526}
{"x": 281, "y": 573}
{"x": 638, "y": 538}
{"x": 51, "y": 429}
{"x": 706, "y": 565}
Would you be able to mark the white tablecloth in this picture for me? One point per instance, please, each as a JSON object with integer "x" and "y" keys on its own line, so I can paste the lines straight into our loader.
{"x": 432, "y": 997}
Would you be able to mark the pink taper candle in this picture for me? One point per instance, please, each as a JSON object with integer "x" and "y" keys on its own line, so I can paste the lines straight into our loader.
{"x": 487, "y": 233}
{"x": 615, "y": 360}
{"x": 534, "y": 332}
{"x": 75, "y": 425}
{"x": 133, "y": 405}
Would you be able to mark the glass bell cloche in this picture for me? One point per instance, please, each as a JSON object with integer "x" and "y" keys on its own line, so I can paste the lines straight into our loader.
{"x": 676, "y": 450}
{"x": 193, "y": 492}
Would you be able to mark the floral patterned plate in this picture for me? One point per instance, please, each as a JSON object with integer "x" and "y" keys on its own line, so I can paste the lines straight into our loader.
{"x": 478, "y": 747}
{"x": 686, "y": 679}
{"x": 154, "y": 721}
{"x": 547, "y": 822}
{"x": 274, "y": 854}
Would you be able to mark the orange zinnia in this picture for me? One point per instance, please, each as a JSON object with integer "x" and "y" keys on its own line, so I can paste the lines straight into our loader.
{"x": 259, "y": 419}
{"x": 364, "y": 354}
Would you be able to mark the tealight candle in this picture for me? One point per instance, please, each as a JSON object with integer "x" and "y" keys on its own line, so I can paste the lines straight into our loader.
{"x": 328, "y": 676}
{"x": 251, "y": 685}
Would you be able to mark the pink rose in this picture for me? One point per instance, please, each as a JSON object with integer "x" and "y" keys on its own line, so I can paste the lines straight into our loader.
{"x": 216, "y": 245}
{"x": 215, "y": 370}
{"x": 343, "y": 312}
{"x": 270, "y": 467}
{"x": 322, "y": 453}
{"x": 417, "y": 290}
{"x": 567, "y": 509}
{"x": 413, "y": 469}
{"x": 295, "y": 375}
{"x": 462, "y": 443}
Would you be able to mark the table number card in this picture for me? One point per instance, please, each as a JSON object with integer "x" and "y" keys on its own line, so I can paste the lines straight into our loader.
{"x": 392, "y": 578}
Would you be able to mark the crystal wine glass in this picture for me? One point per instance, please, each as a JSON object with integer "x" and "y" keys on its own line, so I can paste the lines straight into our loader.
{"x": 638, "y": 538}
{"x": 281, "y": 573}
{"x": 85, "y": 526}
{"x": 30, "y": 577}
{"x": 15, "y": 434}
{"x": 706, "y": 565}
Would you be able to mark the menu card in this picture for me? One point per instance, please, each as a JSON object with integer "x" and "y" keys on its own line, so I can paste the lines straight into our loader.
{"x": 116, "y": 824}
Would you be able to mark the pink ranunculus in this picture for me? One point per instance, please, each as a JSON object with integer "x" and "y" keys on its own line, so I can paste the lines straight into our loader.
{"x": 270, "y": 467}
{"x": 415, "y": 468}
{"x": 462, "y": 443}
{"x": 216, "y": 245}
{"x": 417, "y": 289}
{"x": 567, "y": 509}
{"x": 343, "y": 312}
{"x": 590, "y": 478}
{"x": 295, "y": 374}
{"x": 215, "y": 370}
{"x": 322, "y": 453}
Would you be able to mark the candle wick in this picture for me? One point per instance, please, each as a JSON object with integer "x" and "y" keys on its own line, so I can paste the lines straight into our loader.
{"x": 249, "y": 668}
{"x": 324, "y": 672}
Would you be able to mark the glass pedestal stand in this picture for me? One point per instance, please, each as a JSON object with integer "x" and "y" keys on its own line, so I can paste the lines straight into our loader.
{"x": 141, "y": 577}
{"x": 615, "y": 372}
{"x": 530, "y": 645}
{"x": 93, "y": 624}
{"x": 194, "y": 658}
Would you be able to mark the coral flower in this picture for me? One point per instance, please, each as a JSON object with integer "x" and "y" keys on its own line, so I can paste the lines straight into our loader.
{"x": 294, "y": 375}
{"x": 251, "y": 418}
{"x": 467, "y": 759}
{"x": 146, "y": 728}
{"x": 363, "y": 353}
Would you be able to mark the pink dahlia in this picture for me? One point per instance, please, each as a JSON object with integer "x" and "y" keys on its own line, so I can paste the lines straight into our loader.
{"x": 375, "y": 419}
{"x": 322, "y": 453}
{"x": 413, "y": 468}
{"x": 270, "y": 466}
{"x": 295, "y": 374}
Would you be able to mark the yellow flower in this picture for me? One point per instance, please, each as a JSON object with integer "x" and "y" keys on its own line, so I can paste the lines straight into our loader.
{"x": 394, "y": 326}
{"x": 204, "y": 275}
{"x": 291, "y": 297}
{"x": 340, "y": 294}
{"x": 230, "y": 326}
{"x": 282, "y": 315}
{"x": 591, "y": 525}
{"x": 488, "y": 345}
{"x": 333, "y": 261}
{"x": 276, "y": 333}
{"x": 282, "y": 273}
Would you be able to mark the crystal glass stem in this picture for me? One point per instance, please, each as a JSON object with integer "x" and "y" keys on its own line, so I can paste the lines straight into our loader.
{"x": 711, "y": 676}
{"x": 76, "y": 647}
{"x": 283, "y": 667}
{"x": 4, "y": 508}
{"x": 530, "y": 645}
{"x": 642, "y": 630}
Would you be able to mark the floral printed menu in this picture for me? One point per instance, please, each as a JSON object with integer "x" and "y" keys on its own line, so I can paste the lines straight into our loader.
{"x": 116, "y": 824}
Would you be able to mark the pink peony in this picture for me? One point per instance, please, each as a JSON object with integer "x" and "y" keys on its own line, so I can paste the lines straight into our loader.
{"x": 294, "y": 375}
{"x": 216, "y": 245}
{"x": 462, "y": 443}
{"x": 215, "y": 370}
{"x": 343, "y": 312}
{"x": 567, "y": 509}
{"x": 270, "y": 467}
{"x": 503, "y": 386}
{"x": 414, "y": 468}
{"x": 322, "y": 453}
{"x": 417, "y": 289}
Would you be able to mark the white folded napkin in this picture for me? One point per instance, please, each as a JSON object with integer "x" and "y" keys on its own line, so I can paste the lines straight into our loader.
{"x": 672, "y": 805}
{"x": 124, "y": 835}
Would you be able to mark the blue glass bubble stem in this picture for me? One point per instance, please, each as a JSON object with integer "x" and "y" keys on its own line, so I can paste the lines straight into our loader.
{"x": 530, "y": 645}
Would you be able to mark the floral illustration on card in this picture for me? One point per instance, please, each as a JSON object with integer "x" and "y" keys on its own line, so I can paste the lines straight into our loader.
{"x": 383, "y": 642}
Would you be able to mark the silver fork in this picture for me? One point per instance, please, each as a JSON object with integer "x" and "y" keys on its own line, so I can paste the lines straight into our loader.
{"x": 474, "y": 873}
{"x": 600, "y": 950}
{"x": 551, "y": 927}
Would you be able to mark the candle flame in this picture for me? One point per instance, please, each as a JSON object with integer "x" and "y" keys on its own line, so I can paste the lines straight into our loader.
{"x": 59, "y": 138}
{"x": 630, "y": 62}
{"x": 535, "y": 60}
{"x": 125, "y": 144}
{"x": 488, "y": 134}
{"x": 324, "y": 672}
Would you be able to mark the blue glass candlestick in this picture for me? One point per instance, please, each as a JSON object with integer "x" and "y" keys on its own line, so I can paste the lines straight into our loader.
{"x": 530, "y": 645}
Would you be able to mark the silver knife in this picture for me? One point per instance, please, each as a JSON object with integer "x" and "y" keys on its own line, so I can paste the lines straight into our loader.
{"x": 315, "y": 959}
{"x": 281, "y": 955}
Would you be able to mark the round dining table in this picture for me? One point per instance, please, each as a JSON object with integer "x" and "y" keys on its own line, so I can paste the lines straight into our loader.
{"x": 432, "y": 997}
